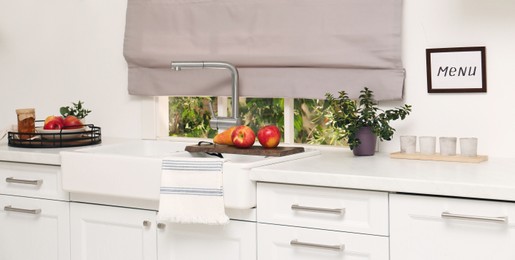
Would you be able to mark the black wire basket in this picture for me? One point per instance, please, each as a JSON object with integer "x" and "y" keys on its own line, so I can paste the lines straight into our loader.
{"x": 88, "y": 134}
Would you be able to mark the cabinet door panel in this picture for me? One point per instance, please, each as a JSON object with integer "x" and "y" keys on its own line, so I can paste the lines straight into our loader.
{"x": 288, "y": 243}
{"x": 107, "y": 233}
{"x": 234, "y": 241}
{"x": 34, "y": 229}
{"x": 467, "y": 229}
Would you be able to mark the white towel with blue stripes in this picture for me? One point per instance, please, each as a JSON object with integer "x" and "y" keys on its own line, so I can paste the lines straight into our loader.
{"x": 192, "y": 191}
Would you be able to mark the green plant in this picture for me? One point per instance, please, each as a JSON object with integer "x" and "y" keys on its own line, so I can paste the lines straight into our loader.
{"x": 189, "y": 117}
{"x": 350, "y": 115}
{"x": 258, "y": 112}
{"x": 77, "y": 109}
{"x": 310, "y": 121}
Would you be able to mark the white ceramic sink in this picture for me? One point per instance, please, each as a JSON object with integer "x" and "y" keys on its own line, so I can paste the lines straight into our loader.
{"x": 133, "y": 170}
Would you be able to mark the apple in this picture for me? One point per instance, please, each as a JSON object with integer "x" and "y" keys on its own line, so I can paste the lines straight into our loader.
{"x": 269, "y": 136}
{"x": 53, "y": 122}
{"x": 60, "y": 118}
{"x": 72, "y": 122}
{"x": 243, "y": 137}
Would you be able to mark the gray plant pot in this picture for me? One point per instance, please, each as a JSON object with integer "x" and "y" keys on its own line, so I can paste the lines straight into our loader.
{"x": 368, "y": 140}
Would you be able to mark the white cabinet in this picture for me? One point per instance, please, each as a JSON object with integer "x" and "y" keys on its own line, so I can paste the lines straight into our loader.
{"x": 425, "y": 227}
{"x": 233, "y": 241}
{"x": 34, "y": 213}
{"x": 34, "y": 229}
{"x": 107, "y": 233}
{"x": 326, "y": 208}
{"x": 293, "y": 243}
{"x": 308, "y": 223}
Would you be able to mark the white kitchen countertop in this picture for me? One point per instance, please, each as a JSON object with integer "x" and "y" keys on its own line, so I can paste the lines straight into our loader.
{"x": 493, "y": 179}
{"x": 41, "y": 155}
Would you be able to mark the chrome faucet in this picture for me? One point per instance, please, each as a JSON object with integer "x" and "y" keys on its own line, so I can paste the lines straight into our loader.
{"x": 216, "y": 122}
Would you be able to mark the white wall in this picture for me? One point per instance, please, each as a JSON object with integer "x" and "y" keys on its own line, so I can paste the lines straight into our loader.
{"x": 54, "y": 52}
{"x": 451, "y": 23}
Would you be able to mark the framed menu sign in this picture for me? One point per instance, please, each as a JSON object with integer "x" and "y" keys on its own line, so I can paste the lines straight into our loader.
{"x": 455, "y": 70}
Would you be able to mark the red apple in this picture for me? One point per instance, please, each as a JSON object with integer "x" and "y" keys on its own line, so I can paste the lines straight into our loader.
{"x": 71, "y": 122}
{"x": 53, "y": 122}
{"x": 243, "y": 137}
{"x": 269, "y": 136}
{"x": 60, "y": 118}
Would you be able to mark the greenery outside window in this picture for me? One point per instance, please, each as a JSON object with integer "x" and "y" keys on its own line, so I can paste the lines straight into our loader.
{"x": 189, "y": 117}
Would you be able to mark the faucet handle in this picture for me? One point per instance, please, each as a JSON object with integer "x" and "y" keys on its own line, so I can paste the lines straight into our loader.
{"x": 211, "y": 110}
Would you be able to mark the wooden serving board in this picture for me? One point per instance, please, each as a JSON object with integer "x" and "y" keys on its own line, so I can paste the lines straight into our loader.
{"x": 254, "y": 150}
{"x": 437, "y": 157}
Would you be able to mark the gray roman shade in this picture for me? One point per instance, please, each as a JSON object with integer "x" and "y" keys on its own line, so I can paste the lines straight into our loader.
{"x": 282, "y": 48}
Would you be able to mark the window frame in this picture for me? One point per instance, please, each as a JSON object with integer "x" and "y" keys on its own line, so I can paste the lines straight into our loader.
{"x": 156, "y": 126}
{"x": 155, "y": 119}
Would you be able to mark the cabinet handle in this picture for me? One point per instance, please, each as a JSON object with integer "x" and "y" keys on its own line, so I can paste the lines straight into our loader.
{"x": 21, "y": 181}
{"x": 446, "y": 214}
{"x": 147, "y": 223}
{"x": 339, "y": 211}
{"x": 161, "y": 225}
{"x": 19, "y": 210}
{"x": 295, "y": 242}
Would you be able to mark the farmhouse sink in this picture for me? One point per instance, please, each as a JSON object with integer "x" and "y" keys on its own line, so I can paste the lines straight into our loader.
{"x": 133, "y": 170}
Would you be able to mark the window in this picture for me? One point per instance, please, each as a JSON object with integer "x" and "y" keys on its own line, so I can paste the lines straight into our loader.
{"x": 301, "y": 120}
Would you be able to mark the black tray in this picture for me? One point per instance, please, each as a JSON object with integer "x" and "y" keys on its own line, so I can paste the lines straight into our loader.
{"x": 91, "y": 135}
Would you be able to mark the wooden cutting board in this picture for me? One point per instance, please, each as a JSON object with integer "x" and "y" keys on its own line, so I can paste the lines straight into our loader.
{"x": 254, "y": 150}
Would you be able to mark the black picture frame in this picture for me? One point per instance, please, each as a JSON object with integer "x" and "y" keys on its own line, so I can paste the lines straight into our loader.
{"x": 456, "y": 70}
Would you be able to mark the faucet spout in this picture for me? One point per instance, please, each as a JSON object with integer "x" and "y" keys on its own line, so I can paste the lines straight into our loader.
{"x": 217, "y": 122}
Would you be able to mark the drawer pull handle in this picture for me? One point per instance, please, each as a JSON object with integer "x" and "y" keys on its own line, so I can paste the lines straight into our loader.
{"x": 19, "y": 210}
{"x": 446, "y": 214}
{"x": 21, "y": 181}
{"x": 339, "y": 211}
{"x": 295, "y": 242}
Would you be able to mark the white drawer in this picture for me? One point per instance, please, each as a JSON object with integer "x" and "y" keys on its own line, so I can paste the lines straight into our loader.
{"x": 31, "y": 180}
{"x": 284, "y": 243}
{"x": 324, "y": 208}
{"x": 451, "y": 228}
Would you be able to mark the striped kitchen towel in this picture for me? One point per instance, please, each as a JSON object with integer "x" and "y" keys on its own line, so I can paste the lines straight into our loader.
{"x": 192, "y": 191}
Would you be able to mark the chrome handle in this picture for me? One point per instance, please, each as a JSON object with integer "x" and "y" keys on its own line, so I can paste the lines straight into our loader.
{"x": 147, "y": 223}
{"x": 22, "y": 181}
{"x": 446, "y": 214}
{"x": 295, "y": 242}
{"x": 161, "y": 225}
{"x": 339, "y": 211}
{"x": 20, "y": 210}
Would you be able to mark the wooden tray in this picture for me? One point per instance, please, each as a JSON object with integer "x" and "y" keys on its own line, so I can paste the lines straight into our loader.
{"x": 254, "y": 150}
{"x": 437, "y": 157}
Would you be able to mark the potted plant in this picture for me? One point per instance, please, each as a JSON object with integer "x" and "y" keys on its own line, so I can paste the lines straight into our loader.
{"x": 77, "y": 110}
{"x": 362, "y": 121}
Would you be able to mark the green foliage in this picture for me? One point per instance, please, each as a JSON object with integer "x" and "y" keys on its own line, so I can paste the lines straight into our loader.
{"x": 311, "y": 123}
{"x": 349, "y": 116}
{"x": 77, "y": 109}
{"x": 189, "y": 117}
{"x": 258, "y": 112}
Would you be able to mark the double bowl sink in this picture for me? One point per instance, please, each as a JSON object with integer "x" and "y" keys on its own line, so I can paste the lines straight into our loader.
{"x": 133, "y": 170}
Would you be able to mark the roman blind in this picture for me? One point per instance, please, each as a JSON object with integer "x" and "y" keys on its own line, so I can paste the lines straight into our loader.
{"x": 282, "y": 48}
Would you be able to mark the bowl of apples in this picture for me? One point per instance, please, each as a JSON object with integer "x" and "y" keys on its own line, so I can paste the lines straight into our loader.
{"x": 59, "y": 127}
